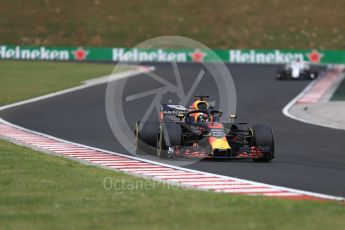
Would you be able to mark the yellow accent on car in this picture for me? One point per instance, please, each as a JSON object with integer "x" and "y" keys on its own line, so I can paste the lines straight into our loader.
{"x": 220, "y": 143}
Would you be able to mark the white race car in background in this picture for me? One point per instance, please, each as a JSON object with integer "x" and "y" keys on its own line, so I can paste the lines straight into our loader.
{"x": 297, "y": 70}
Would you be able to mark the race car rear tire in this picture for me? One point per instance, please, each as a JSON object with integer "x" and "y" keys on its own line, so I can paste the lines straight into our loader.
{"x": 263, "y": 137}
{"x": 170, "y": 135}
{"x": 146, "y": 136}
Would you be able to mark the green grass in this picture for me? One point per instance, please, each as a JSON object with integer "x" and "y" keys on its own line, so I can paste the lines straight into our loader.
{"x": 217, "y": 23}
{"x": 24, "y": 80}
{"x": 40, "y": 191}
{"x": 339, "y": 94}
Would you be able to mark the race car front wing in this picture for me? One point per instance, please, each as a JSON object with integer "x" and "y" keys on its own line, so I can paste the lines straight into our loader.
{"x": 243, "y": 153}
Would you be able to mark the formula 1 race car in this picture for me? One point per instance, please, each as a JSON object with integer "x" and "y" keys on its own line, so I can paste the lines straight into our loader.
{"x": 196, "y": 132}
{"x": 297, "y": 70}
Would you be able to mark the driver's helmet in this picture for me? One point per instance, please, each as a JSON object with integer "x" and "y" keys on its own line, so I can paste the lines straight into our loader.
{"x": 199, "y": 105}
{"x": 202, "y": 117}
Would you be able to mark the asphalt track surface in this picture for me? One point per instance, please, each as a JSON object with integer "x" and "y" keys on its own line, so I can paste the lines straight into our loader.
{"x": 308, "y": 157}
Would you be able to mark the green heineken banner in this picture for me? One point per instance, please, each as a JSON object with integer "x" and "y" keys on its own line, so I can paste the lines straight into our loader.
{"x": 168, "y": 55}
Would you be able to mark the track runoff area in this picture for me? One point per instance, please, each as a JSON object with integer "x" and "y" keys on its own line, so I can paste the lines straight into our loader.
{"x": 300, "y": 165}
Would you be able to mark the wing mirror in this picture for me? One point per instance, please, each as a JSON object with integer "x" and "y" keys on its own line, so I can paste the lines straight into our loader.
{"x": 232, "y": 117}
{"x": 180, "y": 116}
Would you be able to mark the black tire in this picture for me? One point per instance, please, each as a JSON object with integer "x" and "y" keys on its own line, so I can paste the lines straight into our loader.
{"x": 279, "y": 76}
{"x": 170, "y": 135}
{"x": 263, "y": 137}
{"x": 282, "y": 74}
{"x": 313, "y": 75}
{"x": 146, "y": 136}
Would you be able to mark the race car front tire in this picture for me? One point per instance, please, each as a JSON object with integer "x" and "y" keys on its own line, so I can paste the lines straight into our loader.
{"x": 279, "y": 76}
{"x": 146, "y": 136}
{"x": 263, "y": 137}
{"x": 170, "y": 135}
{"x": 282, "y": 75}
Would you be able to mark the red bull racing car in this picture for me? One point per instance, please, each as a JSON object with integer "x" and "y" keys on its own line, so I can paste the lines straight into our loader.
{"x": 196, "y": 132}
